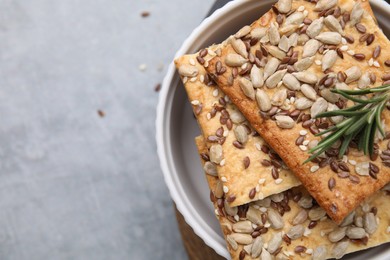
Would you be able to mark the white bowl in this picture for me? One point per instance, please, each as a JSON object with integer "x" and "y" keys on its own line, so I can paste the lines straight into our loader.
{"x": 177, "y": 128}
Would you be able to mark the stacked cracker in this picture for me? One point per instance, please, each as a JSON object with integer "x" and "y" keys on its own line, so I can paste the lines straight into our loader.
{"x": 267, "y": 70}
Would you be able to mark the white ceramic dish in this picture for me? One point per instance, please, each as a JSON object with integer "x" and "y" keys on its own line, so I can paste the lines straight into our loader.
{"x": 177, "y": 128}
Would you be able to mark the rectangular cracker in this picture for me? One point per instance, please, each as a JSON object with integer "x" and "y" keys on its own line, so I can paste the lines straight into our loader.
{"x": 244, "y": 176}
{"x": 249, "y": 218}
{"x": 352, "y": 188}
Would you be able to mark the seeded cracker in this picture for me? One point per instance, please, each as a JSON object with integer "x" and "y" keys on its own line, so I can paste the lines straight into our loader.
{"x": 244, "y": 164}
{"x": 287, "y": 236}
{"x": 298, "y": 61}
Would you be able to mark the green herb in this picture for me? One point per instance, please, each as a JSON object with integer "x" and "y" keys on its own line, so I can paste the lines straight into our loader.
{"x": 361, "y": 121}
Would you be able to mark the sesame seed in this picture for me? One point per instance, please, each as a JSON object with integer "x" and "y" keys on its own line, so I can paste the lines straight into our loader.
{"x": 292, "y": 100}
{"x": 263, "y": 209}
{"x": 258, "y": 146}
{"x": 193, "y": 79}
{"x": 301, "y": 25}
{"x": 185, "y": 79}
{"x": 376, "y": 64}
{"x": 225, "y": 189}
{"x": 306, "y": 142}
{"x": 307, "y": 232}
{"x": 254, "y": 226}
{"x": 201, "y": 78}
{"x": 206, "y": 64}
{"x": 344, "y": 48}
{"x": 223, "y": 179}
{"x": 261, "y": 196}
{"x": 371, "y": 62}
{"x": 236, "y": 218}
{"x": 192, "y": 62}
{"x": 343, "y": 41}
{"x": 303, "y": 132}
{"x": 222, "y": 163}
{"x": 142, "y": 67}
{"x": 225, "y": 133}
{"x": 215, "y": 92}
{"x": 314, "y": 168}
{"x": 195, "y": 102}
{"x": 309, "y": 251}
{"x": 278, "y": 181}
{"x": 208, "y": 116}
{"x": 351, "y": 52}
{"x": 303, "y": 147}
{"x": 216, "y": 212}
{"x": 227, "y": 99}
{"x": 244, "y": 66}
{"x": 301, "y": 8}
{"x": 318, "y": 62}
{"x": 305, "y": 13}
{"x": 267, "y": 225}
{"x": 352, "y": 162}
{"x": 257, "y": 188}
{"x": 261, "y": 181}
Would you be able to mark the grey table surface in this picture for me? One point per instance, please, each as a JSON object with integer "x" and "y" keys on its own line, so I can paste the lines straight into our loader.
{"x": 74, "y": 185}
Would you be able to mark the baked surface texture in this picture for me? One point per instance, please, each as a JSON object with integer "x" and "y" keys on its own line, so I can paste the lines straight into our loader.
{"x": 352, "y": 60}
{"x": 247, "y": 172}
{"x": 287, "y": 235}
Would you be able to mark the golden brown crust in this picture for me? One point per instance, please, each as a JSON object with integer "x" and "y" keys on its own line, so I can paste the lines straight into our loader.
{"x": 346, "y": 195}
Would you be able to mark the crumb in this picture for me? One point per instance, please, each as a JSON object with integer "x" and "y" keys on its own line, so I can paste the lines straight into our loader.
{"x": 157, "y": 88}
{"x": 145, "y": 14}
{"x": 101, "y": 113}
{"x": 142, "y": 67}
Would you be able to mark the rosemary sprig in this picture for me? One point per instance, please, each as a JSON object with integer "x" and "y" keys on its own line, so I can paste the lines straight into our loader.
{"x": 361, "y": 121}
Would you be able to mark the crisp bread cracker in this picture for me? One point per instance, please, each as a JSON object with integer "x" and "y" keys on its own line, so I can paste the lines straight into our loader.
{"x": 241, "y": 183}
{"x": 346, "y": 194}
{"x": 313, "y": 238}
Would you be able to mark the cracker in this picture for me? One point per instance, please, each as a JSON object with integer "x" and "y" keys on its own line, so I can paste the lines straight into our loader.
{"x": 347, "y": 192}
{"x": 312, "y": 239}
{"x": 244, "y": 176}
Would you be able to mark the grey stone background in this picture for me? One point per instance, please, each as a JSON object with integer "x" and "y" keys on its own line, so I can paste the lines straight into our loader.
{"x": 74, "y": 185}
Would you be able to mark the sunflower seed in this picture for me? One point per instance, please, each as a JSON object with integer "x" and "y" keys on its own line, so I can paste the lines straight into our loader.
{"x": 362, "y": 168}
{"x": 291, "y": 82}
{"x": 334, "y": 119}
{"x": 275, "y": 219}
{"x": 243, "y": 227}
{"x": 271, "y": 67}
{"x": 275, "y": 243}
{"x": 310, "y": 48}
{"x": 317, "y": 213}
{"x": 333, "y": 38}
{"x": 247, "y": 87}
{"x": 235, "y": 60}
{"x": 304, "y": 63}
{"x": 288, "y": 29}
{"x": 236, "y": 116}
{"x": 329, "y": 59}
{"x": 239, "y": 46}
{"x": 233, "y": 244}
{"x": 348, "y": 219}
{"x": 319, "y": 253}
{"x": 254, "y": 215}
{"x": 263, "y": 101}
{"x": 257, "y": 247}
{"x": 279, "y": 97}
{"x": 302, "y": 39}
{"x": 210, "y": 169}
{"x": 284, "y": 6}
{"x": 303, "y": 103}
{"x": 319, "y": 106}
{"x": 355, "y": 232}
{"x": 315, "y": 27}
{"x": 369, "y": 223}
{"x": 325, "y": 5}
{"x": 258, "y": 33}
{"x": 257, "y": 77}
{"x": 339, "y": 250}
{"x": 309, "y": 92}
{"x": 231, "y": 211}
{"x": 218, "y": 192}
{"x": 242, "y": 239}
{"x": 265, "y": 255}
{"x": 353, "y": 74}
{"x": 333, "y": 24}
{"x": 273, "y": 34}
{"x": 216, "y": 154}
{"x": 285, "y": 122}
{"x": 306, "y": 202}
{"x": 358, "y": 221}
{"x": 337, "y": 234}
{"x": 296, "y": 232}
{"x": 364, "y": 81}
{"x": 295, "y": 18}
{"x": 276, "y": 52}
{"x": 241, "y": 134}
{"x": 356, "y": 14}
{"x": 293, "y": 40}
{"x": 188, "y": 71}
{"x": 274, "y": 79}
{"x": 243, "y": 32}
{"x": 306, "y": 77}
{"x": 329, "y": 95}
{"x": 284, "y": 44}
{"x": 300, "y": 217}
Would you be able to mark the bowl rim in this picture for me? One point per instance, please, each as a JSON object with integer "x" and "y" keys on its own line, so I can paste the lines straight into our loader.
{"x": 164, "y": 151}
